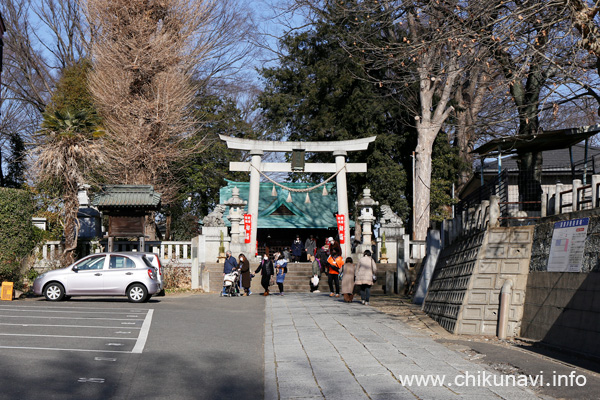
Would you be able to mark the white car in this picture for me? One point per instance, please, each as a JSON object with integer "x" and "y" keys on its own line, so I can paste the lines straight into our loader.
{"x": 128, "y": 274}
{"x": 155, "y": 260}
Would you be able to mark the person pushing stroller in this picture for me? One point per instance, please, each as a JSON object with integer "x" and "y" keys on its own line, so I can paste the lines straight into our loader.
{"x": 229, "y": 266}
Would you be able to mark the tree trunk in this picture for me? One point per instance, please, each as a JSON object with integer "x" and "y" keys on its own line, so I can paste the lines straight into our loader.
{"x": 71, "y": 205}
{"x": 422, "y": 180}
{"x": 530, "y": 175}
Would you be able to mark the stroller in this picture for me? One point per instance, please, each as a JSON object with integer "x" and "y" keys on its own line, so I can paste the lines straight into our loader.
{"x": 231, "y": 284}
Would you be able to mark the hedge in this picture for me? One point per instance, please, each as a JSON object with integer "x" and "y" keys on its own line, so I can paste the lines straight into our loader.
{"x": 16, "y": 233}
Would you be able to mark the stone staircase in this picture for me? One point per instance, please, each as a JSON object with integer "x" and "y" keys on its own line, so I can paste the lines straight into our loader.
{"x": 296, "y": 280}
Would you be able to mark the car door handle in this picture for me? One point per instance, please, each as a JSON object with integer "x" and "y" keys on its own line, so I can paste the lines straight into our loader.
{"x": 98, "y": 274}
{"x": 128, "y": 273}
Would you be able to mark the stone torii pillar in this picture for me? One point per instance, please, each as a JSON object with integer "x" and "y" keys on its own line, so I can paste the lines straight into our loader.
{"x": 339, "y": 149}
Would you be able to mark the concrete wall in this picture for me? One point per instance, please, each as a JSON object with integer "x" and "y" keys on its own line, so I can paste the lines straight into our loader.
{"x": 563, "y": 309}
{"x": 504, "y": 255}
{"x": 464, "y": 292}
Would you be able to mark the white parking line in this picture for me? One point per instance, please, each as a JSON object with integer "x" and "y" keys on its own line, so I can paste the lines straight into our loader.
{"x": 71, "y": 326}
{"x": 66, "y": 336}
{"x": 143, "y": 336}
{"x": 42, "y": 317}
{"x": 37, "y": 309}
{"x": 129, "y": 311}
{"x": 56, "y": 349}
{"x": 91, "y": 380}
{"x": 140, "y": 343}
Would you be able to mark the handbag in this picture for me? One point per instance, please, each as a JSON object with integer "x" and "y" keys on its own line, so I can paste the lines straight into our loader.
{"x": 374, "y": 278}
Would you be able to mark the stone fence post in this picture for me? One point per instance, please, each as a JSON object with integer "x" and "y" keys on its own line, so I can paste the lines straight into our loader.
{"x": 575, "y": 195}
{"x": 494, "y": 211}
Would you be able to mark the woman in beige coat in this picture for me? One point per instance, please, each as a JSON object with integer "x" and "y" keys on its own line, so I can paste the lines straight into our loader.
{"x": 364, "y": 276}
{"x": 348, "y": 280}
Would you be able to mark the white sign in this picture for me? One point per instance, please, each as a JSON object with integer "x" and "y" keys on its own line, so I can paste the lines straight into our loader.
{"x": 568, "y": 242}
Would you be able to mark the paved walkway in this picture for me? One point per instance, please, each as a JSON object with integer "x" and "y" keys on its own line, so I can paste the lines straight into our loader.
{"x": 317, "y": 347}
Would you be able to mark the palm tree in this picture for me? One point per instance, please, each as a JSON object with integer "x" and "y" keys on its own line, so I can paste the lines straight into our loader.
{"x": 66, "y": 155}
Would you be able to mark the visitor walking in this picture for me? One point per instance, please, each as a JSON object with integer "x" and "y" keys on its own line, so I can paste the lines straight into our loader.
{"x": 281, "y": 267}
{"x": 287, "y": 254}
{"x": 316, "y": 275}
{"x": 296, "y": 249}
{"x": 335, "y": 265}
{"x": 245, "y": 271}
{"x": 266, "y": 271}
{"x": 365, "y": 272}
{"x": 229, "y": 266}
{"x": 334, "y": 245}
{"x": 348, "y": 280}
{"x": 310, "y": 246}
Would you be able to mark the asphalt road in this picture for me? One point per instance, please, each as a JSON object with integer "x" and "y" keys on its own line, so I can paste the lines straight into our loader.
{"x": 180, "y": 347}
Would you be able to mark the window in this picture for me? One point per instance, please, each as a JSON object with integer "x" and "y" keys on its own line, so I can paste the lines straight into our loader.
{"x": 121, "y": 262}
{"x": 95, "y": 262}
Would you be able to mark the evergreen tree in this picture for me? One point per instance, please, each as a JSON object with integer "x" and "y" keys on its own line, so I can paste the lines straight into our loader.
{"x": 15, "y": 173}
{"x": 319, "y": 93}
{"x": 67, "y": 151}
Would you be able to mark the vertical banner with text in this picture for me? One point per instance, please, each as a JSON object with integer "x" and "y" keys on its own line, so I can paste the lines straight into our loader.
{"x": 341, "y": 224}
{"x": 247, "y": 227}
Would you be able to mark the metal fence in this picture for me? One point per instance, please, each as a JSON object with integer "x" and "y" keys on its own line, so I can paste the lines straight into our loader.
{"x": 498, "y": 186}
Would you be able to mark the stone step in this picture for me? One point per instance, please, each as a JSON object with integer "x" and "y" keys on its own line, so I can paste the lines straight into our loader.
{"x": 296, "y": 280}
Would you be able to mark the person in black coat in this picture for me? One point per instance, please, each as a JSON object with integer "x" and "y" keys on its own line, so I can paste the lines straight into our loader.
{"x": 266, "y": 270}
{"x": 245, "y": 271}
{"x": 297, "y": 249}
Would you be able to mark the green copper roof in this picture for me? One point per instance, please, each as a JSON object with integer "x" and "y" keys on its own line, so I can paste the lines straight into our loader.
{"x": 277, "y": 212}
{"x": 127, "y": 196}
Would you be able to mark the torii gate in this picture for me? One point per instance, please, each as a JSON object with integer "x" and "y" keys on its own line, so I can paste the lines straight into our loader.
{"x": 256, "y": 148}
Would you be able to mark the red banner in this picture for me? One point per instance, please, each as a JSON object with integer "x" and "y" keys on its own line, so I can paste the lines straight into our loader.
{"x": 341, "y": 224}
{"x": 247, "y": 227}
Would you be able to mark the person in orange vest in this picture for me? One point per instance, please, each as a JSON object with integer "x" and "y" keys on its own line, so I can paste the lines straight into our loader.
{"x": 336, "y": 262}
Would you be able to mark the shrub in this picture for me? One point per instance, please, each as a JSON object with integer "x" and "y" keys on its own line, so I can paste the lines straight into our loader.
{"x": 177, "y": 277}
{"x": 17, "y": 238}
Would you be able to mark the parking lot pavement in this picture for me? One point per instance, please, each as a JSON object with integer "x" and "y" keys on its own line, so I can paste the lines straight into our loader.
{"x": 317, "y": 347}
{"x": 68, "y": 327}
{"x": 199, "y": 346}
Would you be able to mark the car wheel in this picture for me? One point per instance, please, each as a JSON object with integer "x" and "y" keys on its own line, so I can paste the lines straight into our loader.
{"x": 137, "y": 293}
{"x": 54, "y": 291}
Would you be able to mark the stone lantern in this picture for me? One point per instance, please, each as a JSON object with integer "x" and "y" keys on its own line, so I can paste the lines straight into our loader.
{"x": 366, "y": 218}
{"x": 236, "y": 208}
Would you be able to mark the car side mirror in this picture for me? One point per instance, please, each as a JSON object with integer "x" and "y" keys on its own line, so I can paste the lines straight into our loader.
{"x": 75, "y": 269}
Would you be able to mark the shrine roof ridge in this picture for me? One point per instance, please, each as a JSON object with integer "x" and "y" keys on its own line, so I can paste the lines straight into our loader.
{"x": 312, "y": 147}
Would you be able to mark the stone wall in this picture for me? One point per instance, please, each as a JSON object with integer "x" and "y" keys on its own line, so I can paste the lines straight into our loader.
{"x": 450, "y": 282}
{"x": 464, "y": 292}
{"x": 563, "y": 309}
{"x": 542, "y": 240}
